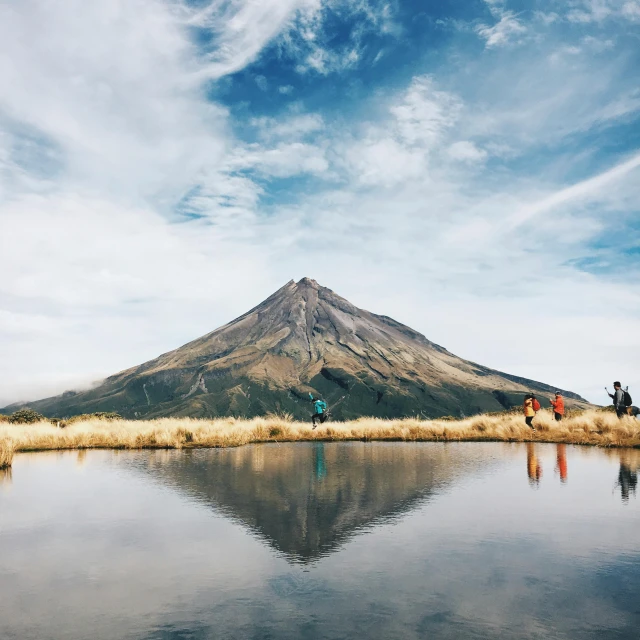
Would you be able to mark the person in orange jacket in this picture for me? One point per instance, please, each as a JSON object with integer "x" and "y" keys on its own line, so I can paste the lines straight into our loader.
{"x": 558, "y": 406}
{"x": 529, "y": 412}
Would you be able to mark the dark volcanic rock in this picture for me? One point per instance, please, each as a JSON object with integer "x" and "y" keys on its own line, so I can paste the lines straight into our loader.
{"x": 304, "y": 338}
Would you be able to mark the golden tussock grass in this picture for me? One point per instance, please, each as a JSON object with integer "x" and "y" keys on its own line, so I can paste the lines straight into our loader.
{"x": 6, "y": 451}
{"x": 587, "y": 428}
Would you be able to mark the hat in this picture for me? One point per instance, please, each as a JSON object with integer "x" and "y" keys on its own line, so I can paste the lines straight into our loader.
{"x": 558, "y": 393}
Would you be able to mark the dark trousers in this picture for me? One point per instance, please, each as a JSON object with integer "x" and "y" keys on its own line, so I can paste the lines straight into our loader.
{"x": 621, "y": 412}
{"x": 557, "y": 416}
{"x": 318, "y": 416}
{"x": 529, "y": 421}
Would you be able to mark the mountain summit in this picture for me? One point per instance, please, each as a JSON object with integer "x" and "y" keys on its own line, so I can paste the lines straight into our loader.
{"x": 304, "y": 338}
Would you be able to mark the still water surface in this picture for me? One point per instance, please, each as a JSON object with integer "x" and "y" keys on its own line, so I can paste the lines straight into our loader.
{"x": 312, "y": 540}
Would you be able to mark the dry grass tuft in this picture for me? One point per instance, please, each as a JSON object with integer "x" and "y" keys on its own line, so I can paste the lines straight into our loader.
{"x": 6, "y": 452}
{"x": 588, "y": 427}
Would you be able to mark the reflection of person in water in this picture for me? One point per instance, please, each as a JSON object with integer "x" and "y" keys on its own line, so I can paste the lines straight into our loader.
{"x": 319, "y": 464}
{"x": 534, "y": 468}
{"x": 561, "y": 462}
{"x": 627, "y": 479}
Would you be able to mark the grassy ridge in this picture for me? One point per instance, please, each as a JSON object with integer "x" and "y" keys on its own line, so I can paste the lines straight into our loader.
{"x": 589, "y": 427}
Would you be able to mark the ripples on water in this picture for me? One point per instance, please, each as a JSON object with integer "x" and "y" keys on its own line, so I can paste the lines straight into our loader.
{"x": 313, "y": 540}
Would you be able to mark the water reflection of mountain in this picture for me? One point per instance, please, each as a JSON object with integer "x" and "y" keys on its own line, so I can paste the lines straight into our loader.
{"x": 307, "y": 499}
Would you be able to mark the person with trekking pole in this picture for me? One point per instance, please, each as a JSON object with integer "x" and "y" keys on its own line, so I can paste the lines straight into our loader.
{"x": 621, "y": 399}
{"x": 558, "y": 406}
{"x": 319, "y": 410}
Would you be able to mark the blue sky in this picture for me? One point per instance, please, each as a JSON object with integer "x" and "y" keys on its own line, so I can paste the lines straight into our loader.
{"x": 471, "y": 169}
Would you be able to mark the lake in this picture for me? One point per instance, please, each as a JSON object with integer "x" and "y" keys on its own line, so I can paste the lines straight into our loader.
{"x": 322, "y": 540}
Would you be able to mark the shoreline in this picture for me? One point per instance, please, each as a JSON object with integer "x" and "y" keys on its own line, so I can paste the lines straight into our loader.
{"x": 590, "y": 428}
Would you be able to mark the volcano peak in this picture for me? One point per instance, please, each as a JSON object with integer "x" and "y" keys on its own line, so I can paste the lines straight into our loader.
{"x": 304, "y": 339}
{"x": 308, "y": 282}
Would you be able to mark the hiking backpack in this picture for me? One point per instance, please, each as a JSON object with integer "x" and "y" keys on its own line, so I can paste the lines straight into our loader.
{"x": 627, "y": 399}
{"x": 536, "y": 405}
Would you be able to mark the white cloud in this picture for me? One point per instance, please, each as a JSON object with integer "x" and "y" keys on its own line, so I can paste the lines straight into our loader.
{"x": 114, "y": 95}
{"x": 242, "y": 28}
{"x": 466, "y": 151}
{"x": 507, "y": 30}
{"x": 519, "y": 106}
{"x": 598, "y": 11}
{"x": 421, "y": 118}
{"x": 598, "y": 44}
{"x": 631, "y": 10}
{"x": 282, "y": 161}
{"x": 380, "y": 160}
{"x": 591, "y": 189}
{"x": 424, "y": 114}
{"x": 315, "y": 45}
{"x": 293, "y": 125}
{"x": 324, "y": 61}
{"x": 547, "y": 17}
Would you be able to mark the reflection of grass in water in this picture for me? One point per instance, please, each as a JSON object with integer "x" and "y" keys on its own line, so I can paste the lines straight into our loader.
{"x": 6, "y": 451}
{"x": 590, "y": 427}
{"x": 5, "y": 476}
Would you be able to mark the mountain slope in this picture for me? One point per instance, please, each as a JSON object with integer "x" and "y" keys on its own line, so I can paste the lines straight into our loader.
{"x": 304, "y": 338}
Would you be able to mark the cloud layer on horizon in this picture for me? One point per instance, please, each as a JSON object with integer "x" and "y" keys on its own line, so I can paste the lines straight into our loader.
{"x": 164, "y": 166}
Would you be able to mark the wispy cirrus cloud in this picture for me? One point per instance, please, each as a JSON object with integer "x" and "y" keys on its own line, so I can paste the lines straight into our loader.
{"x": 235, "y": 32}
{"x": 508, "y": 29}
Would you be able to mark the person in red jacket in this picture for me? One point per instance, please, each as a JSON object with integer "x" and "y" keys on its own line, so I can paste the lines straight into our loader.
{"x": 558, "y": 406}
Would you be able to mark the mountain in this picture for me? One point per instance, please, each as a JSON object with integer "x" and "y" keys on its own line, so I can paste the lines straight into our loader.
{"x": 304, "y": 338}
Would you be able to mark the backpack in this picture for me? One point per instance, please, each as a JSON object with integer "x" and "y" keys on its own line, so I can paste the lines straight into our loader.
{"x": 627, "y": 399}
{"x": 536, "y": 405}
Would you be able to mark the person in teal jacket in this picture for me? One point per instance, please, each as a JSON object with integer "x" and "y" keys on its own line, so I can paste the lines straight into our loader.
{"x": 319, "y": 410}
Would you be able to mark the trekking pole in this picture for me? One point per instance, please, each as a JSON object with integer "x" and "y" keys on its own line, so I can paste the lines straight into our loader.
{"x": 336, "y": 403}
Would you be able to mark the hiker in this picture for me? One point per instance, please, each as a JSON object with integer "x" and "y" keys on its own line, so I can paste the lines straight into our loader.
{"x": 619, "y": 398}
{"x": 529, "y": 412}
{"x": 558, "y": 406}
{"x": 319, "y": 410}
